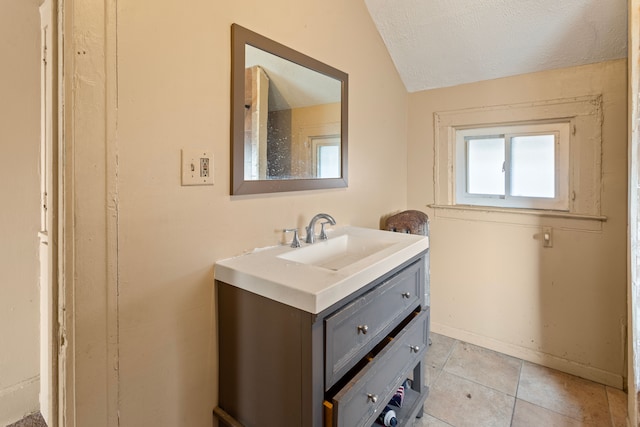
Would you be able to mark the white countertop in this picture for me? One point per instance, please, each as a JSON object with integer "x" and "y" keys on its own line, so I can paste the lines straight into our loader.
{"x": 275, "y": 272}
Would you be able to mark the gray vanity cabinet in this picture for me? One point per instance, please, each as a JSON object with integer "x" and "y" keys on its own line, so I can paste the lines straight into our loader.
{"x": 282, "y": 366}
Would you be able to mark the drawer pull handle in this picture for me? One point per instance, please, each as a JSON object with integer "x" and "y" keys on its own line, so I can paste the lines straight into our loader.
{"x": 406, "y": 295}
{"x": 363, "y": 329}
{"x": 372, "y": 398}
{"x": 414, "y": 348}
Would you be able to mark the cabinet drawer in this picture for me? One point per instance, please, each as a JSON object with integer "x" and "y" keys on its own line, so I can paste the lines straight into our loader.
{"x": 362, "y": 399}
{"x": 355, "y": 329}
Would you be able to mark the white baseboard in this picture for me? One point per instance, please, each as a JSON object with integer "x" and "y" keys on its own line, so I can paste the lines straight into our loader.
{"x": 19, "y": 400}
{"x": 537, "y": 357}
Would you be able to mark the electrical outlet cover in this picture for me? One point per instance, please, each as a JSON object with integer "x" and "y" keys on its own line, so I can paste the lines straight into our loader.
{"x": 197, "y": 167}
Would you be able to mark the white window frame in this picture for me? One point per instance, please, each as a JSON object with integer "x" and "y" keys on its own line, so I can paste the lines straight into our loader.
{"x": 323, "y": 141}
{"x": 584, "y": 115}
{"x": 562, "y": 136}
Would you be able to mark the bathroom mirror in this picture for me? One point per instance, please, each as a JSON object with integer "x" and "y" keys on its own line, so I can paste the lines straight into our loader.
{"x": 288, "y": 118}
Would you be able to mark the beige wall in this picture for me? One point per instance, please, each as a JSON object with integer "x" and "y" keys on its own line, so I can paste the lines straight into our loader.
{"x": 19, "y": 215}
{"x": 493, "y": 283}
{"x": 158, "y": 241}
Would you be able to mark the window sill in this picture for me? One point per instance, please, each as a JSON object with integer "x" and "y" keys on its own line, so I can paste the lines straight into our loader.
{"x": 517, "y": 211}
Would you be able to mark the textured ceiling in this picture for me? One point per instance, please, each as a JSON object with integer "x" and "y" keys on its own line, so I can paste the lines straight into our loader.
{"x": 439, "y": 43}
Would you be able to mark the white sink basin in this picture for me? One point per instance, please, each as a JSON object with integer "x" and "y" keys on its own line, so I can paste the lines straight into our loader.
{"x": 338, "y": 252}
{"x": 315, "y": 276}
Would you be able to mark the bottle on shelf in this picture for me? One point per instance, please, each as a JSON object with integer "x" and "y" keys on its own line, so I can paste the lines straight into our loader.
{"x": 398, "y": 397}
{"x": 388, "y": 417}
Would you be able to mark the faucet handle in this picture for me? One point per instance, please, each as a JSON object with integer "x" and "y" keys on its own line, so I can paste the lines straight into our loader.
{"x": 323, "y": 233}
{"x": 295, "y": 242}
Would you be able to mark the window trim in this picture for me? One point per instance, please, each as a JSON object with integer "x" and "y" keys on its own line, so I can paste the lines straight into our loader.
{"x": 561, "y": 131}
{"x": 585, "y": 153}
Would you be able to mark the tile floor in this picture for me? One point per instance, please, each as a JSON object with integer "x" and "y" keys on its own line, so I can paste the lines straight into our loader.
{"x": 475, "y": 387}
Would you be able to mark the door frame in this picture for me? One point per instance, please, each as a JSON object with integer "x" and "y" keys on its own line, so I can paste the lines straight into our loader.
{"x": 633, "y": 248}
{"x": 88, "y": 209}
{"x": 49, "y": 224}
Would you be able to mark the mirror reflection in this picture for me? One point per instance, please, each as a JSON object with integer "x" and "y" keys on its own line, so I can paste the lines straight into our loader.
{"x": 289, "y": 118}
{"x": 292, "y": 120}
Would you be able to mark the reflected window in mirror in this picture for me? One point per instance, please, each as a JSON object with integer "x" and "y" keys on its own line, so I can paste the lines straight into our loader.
{"x": 326, "y": 156}
{"x": 289, "y": 118}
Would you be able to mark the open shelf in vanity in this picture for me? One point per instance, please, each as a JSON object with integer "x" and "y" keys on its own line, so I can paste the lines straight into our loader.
{"x": 280, "y": 365}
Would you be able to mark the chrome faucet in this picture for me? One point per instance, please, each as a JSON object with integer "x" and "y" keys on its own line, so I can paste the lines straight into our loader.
{"x": 311, "y": 232}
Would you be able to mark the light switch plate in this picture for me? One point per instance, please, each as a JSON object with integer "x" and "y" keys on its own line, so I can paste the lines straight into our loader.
{"x": 197, "y": 167}
{"x": 547, "y": 237}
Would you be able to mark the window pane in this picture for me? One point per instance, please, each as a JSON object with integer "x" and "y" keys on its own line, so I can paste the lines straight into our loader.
{"x": 328, "y": 161}
{"x": 485, "y": 166}
{"x": 533, "y": 166}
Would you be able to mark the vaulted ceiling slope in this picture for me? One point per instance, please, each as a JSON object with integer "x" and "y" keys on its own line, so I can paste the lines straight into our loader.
{"x": 439, "y": 43}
